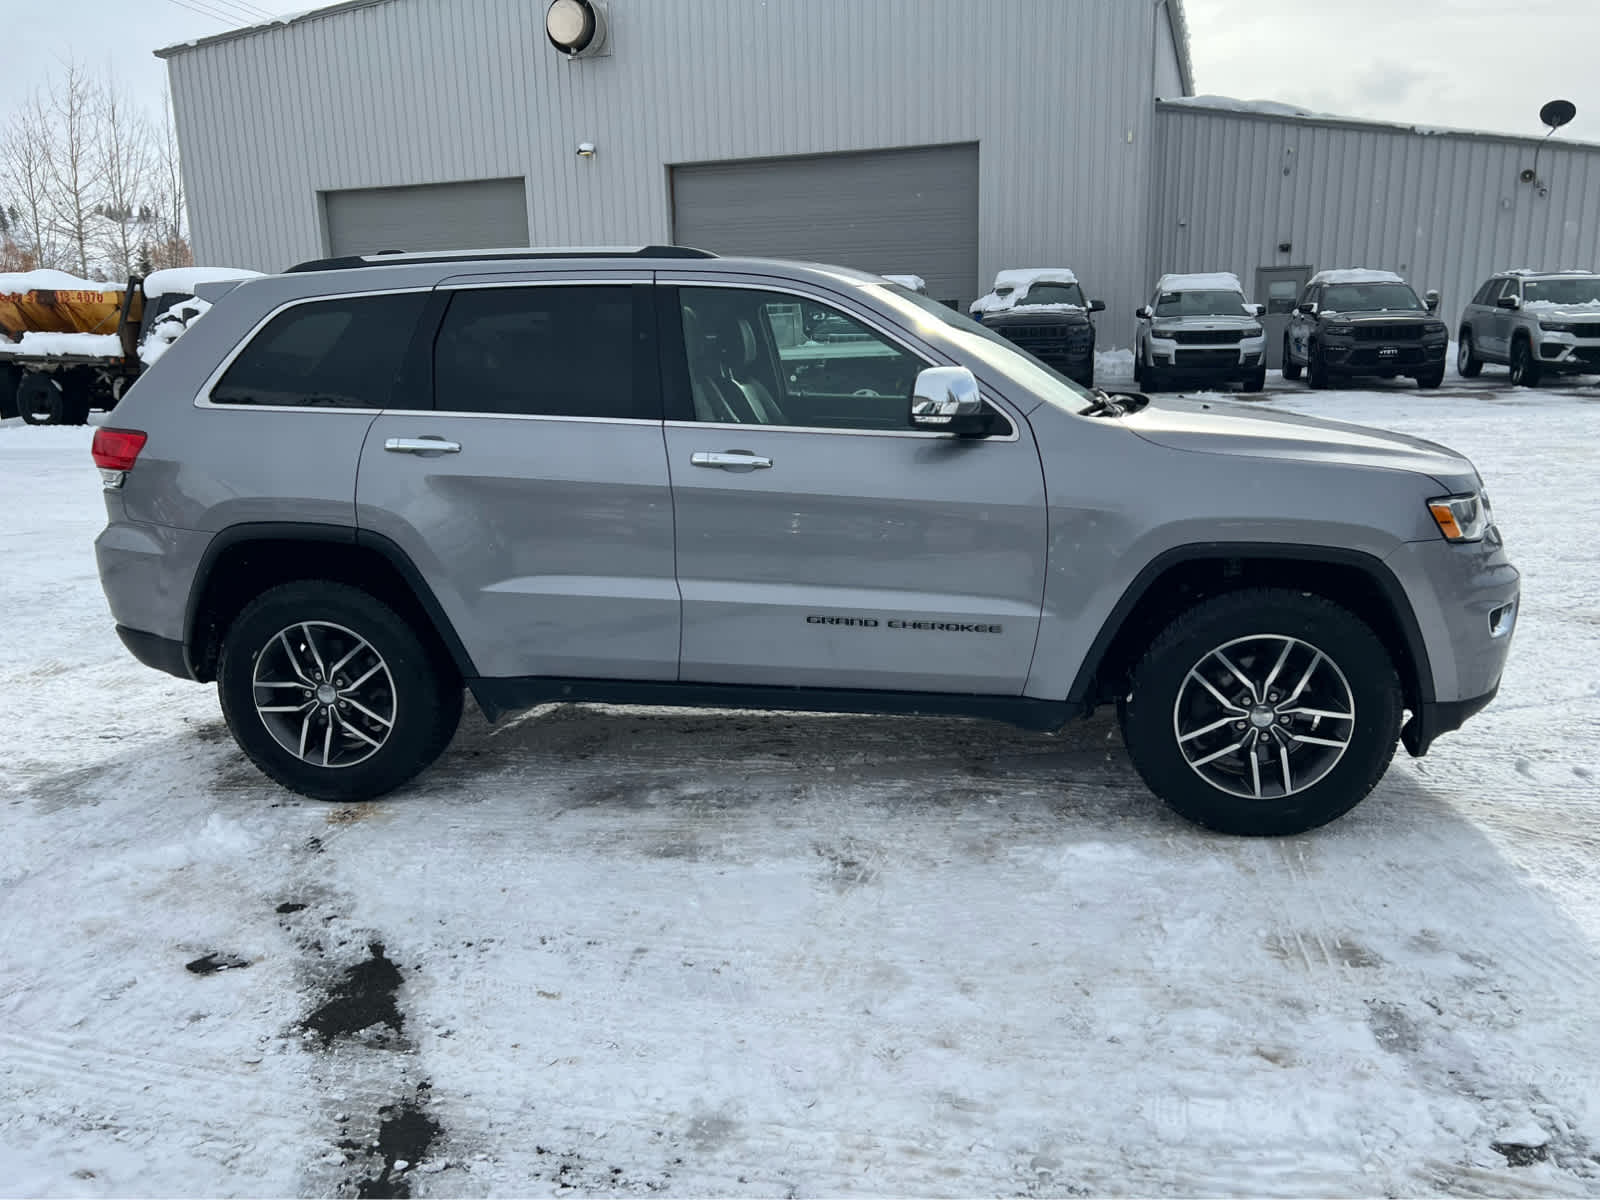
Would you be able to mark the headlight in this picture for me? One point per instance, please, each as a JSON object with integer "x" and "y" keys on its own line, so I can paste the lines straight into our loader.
{"x": 1337, "y": 329}
{"x": 1161, "y": 332}
{"x": 1462, "y": 518}
{"x": 1557, "y": 327}
{"x": 1433, "y": 327}
{"x": 1254, "y": 331}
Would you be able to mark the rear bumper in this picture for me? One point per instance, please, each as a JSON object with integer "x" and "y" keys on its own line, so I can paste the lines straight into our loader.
{"x": 163, "y": 654}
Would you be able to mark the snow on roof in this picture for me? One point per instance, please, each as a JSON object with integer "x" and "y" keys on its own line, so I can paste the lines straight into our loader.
{"x": 53, "y": 281}
{"x": 1525, "y": 272}
{"x": 1022, "y": 278}
{"x": 1271, "y": 108}
{"x": 1205, "y": 281}
{"x": 278, "y": 22}
{"x": 915, "y": 282}
{"x": 182, "y": 280}
{"x": 1356, "y": 275}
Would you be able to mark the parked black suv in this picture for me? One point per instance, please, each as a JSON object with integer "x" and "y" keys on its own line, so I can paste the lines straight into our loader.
{"x": 1360, "y": 322}
{"x": 1043, "y": 310}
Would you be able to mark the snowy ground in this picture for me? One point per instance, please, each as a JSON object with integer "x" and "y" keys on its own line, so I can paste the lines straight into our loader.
{"x": 658, "y": 951}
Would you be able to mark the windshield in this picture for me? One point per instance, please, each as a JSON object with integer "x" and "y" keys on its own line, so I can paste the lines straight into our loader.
{"x": 1562, "y": 291}
{"x": 1371, "y": 297}
{"x": 1201, "y": 304}
{"x": 1053, "y": 293}
{"x": 994, "y": 351}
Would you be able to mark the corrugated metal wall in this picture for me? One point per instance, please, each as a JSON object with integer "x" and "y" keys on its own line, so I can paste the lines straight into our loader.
{"x": 1444, "y": 210}
{"x": 1056, "y": 94}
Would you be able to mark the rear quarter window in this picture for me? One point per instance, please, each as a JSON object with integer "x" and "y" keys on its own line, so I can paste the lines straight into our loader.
{"x": 344, "y": 353}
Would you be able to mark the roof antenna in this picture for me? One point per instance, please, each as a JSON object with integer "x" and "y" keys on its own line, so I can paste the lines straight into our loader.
{"x": 1554, "y": 114}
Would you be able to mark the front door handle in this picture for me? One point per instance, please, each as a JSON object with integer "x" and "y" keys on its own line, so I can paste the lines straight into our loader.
{"x": 421, "y": 445}
{"x": 729, "y": 460}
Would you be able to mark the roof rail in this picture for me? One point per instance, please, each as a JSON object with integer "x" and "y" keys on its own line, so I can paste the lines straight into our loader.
{"x": 385, "y": 258}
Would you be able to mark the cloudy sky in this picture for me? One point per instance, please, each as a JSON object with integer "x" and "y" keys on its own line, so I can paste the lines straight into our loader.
{"x": 1475, "y": 64}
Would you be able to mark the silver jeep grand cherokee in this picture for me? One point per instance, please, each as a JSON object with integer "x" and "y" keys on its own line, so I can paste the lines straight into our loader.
{"x": 657, "y": 476}
{"x": 1534, "y": 322}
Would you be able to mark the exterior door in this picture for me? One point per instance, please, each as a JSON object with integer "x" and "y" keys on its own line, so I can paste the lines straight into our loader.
{"x": 1279, "y": 288}
{"x": 821, "y": 542}
{"x": 534, "y": 496}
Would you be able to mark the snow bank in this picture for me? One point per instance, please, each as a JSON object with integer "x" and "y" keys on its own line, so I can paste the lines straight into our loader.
{"x": 169, "y": 327}
{"x": 182, "y": 280}
{"x": 1206, "y": 281}
{"x": 1356, "y": 275}
{"x": 915, "y": 282}
{"x": 1271, "y": 108}
{"x": 1113, "y": 366}
{"x": 85, "y": 345}
{"x": 53, "y": 281}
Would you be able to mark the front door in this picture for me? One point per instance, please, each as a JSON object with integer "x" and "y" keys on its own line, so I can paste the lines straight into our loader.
{"x": 534, "y": 497}
{"x": 822, "y": 542}
{"x": 1279, "y": 288}
{"x": 1498, "y": 343}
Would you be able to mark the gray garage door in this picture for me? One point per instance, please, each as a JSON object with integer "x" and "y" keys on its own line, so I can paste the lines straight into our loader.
{"x": 901, "y": 212}
{"x": 435, "y": 216}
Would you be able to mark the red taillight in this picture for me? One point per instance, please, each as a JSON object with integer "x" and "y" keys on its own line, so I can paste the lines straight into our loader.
{"x": 117, "y": 449}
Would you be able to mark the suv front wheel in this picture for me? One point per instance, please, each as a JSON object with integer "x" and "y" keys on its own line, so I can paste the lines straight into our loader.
{"x": 331, "y": 694}
{"x": 1263, "y": 712}
{"x": 1525, "y": 370}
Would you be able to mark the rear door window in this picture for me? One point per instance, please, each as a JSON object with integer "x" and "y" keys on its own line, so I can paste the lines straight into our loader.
{"x": 344, "y": 353}
{"x": 567, "y": 350}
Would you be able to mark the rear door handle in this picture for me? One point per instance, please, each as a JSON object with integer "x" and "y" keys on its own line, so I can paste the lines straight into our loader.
{"x": 729, "y": 460}
{"x": 421, "y": 445}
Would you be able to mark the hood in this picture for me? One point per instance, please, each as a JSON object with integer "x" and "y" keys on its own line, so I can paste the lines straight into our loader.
{"x": 1219, "y": 427}
{"x": 1369, "y": 317}
{"x": 1037, "y": 314}
{"x": 1209, "y": 321}
{"x": 1563, "y": 312}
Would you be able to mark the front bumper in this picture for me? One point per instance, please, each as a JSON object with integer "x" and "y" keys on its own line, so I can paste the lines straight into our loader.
{"x": 1466, "y": 599}
{"x": 1568, "y": 352}
{"x": 1230, "y": 360}
{"x": 1374, "y": 358}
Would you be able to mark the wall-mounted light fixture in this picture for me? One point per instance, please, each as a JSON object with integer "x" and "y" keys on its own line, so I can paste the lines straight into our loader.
{"x": 1554, "y": 114}
{"x": 585, "y": 149}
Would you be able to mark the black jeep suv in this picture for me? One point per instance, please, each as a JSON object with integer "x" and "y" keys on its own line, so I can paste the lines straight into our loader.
{"x": 1359, "y": 322}
{"x": 1043, "y": 310}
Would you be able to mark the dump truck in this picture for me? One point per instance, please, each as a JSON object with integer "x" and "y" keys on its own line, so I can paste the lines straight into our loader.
{"x": 69, "y": 346}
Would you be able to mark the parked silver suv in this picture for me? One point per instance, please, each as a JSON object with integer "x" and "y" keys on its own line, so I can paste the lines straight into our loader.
{"x": 1534, "y": 322}
{"x": 657, "y": 476}
{"x": 1199, "y": 328}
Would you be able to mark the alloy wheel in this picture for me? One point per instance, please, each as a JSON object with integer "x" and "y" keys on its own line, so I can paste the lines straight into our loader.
{"x": 324, "y": 694}
{"x": 1264, "y": 716}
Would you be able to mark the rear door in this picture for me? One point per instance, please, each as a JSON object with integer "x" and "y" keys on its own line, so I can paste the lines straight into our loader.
{"x": 1278, "y": 289}
{"x": 822, "y": 542}
{"x": 533, "y": 496}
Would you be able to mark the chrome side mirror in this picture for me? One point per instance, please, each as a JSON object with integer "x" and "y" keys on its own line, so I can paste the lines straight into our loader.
{"x": 1258, "y": 311}
{"x": 1511, "y": 302}
{"x": 946, "y": 400}
{"x": 1431, "y": 299}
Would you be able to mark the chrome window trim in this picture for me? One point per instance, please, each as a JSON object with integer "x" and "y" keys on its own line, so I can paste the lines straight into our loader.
{"x": 894, "y": 337}
{"x": 654, "y": 423}
{"x": 204, "y": 400}
{"x": 570, "y": 281}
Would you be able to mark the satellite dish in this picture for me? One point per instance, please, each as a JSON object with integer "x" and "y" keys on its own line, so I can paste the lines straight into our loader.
{"x": 1557, "y": 113}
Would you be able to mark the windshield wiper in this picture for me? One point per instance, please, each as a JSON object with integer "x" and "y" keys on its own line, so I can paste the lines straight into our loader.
{"x": 1105, "y": 404}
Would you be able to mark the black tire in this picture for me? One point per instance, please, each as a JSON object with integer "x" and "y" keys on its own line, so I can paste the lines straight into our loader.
{"x": 1151, "y": 712}
{"x": 1525, "y": 368}
{"x": 1431, "y": 379}
{"x": 1291, "y": 369}
{"x": 1468, "y": 364}
{"x": 1141, "y": 375}
{"x": 76, "y": 388}
{"x": 1256, "y": 382}
{"x": 1316, "y": 370}
{"x": 10, "y": 377}
{"x": 40, "y": 400}
{"x": 423, "y": 691}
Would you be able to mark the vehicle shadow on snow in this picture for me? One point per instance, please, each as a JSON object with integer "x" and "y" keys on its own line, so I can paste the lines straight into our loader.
{"x": 1392, "y": 972}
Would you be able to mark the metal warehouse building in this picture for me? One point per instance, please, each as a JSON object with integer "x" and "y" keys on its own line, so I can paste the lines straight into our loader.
{"x": 944, "y": 138}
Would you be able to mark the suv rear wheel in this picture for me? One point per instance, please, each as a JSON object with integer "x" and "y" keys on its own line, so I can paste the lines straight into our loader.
{"x": 1263, "y": 712}
{"x": 331, "y": 694}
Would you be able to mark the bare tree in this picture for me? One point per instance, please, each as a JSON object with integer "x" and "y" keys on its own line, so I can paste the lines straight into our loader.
{"x": 170, "y": 245}
{"x": 74, "y": 188}
{"x": 25, "y": 182}
{"x": 123, "y": 161}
